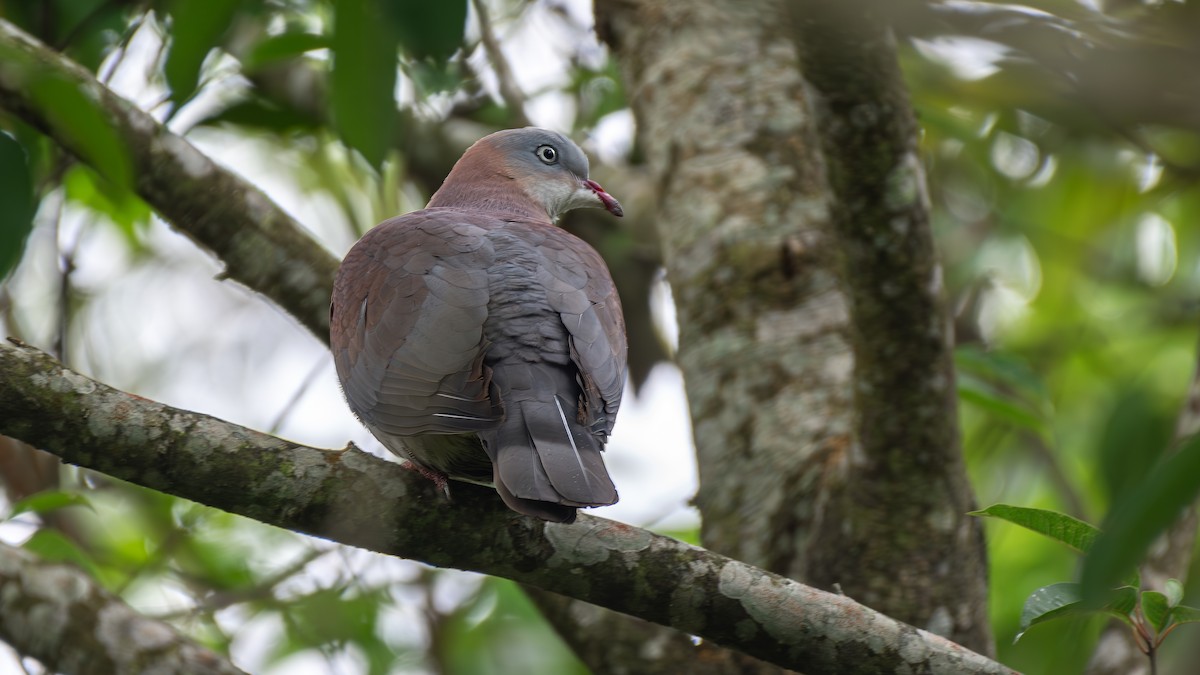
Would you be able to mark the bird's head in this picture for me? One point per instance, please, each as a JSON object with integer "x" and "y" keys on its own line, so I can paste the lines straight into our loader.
{"x": 537, "y": 166}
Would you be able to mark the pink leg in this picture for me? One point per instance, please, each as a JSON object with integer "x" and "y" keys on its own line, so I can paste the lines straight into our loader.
{"x": 439, "y": 479}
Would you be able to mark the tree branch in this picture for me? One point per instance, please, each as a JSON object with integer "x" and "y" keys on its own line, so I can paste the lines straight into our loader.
{"x": 360, "y": 500}
{"x": 505, "y": 82}
{"x": 1087, "y": 61}
{"x": 61, "y": 617}
{"x": 260, "y": 245}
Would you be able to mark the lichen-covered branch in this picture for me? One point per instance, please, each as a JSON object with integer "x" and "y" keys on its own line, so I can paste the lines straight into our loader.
{"x": 259, "y": 244}
{"x": 360, "y": 500}
{"x": 61, "y": 617}
{"x": 898, "y": 534}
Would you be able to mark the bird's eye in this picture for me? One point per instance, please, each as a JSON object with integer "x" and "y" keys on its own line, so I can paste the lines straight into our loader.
{"x": 547, "y": 154}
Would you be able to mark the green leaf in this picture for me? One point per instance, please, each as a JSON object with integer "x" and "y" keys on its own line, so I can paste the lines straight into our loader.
{"x": 1136, "y": 429}
{"x": 78, "y": 117}
{"x": 1137, "y": 519}
{"x": 975, "y": 391}
{"x": 196, "y": 27}
{"x": 1058, "y": 526}
{"x": 1185, "y": 614}
{"x": 283, "y": 47}
{"x": 433, "y": 78}
{"x": 263, "y": 114}
{"x": 499, "y": 624}
{"x": 690, "y": 536}
{"x": 1156, "y": 609}
{"x": 16, "y": 194}
{"x": 48, "y": 500}
{"x": 1061, "y": 600}
{"x": 1173, "y": 589}
{"x": 51, "y": 546}
{"x": 429, "y": 30}
{"x": 126, "y": 210}
{"x": 1004, "y": 386}
{"x": 216, "y": 562}
{"x": 332, "y": 617}
{"x": 1005, "y": 370}
{"x": 363, "y": 81}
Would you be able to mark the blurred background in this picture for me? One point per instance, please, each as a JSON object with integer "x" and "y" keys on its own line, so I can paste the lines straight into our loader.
{"x": 1062, "y": 144}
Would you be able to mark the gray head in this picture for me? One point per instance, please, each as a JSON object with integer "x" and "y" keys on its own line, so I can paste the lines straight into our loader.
{"x": 548, "y": 169}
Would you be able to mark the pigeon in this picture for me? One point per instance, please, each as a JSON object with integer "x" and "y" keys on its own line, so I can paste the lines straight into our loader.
{"x": 480, "y": 341}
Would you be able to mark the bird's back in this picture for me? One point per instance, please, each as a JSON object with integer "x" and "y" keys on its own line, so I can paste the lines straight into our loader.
{"x": 482, "y": 346}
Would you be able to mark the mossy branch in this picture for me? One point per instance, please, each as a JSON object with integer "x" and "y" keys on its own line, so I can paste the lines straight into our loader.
{"x": 360, "y": 500}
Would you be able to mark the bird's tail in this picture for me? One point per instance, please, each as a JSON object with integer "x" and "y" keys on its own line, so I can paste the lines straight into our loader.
{"x": 545, "y": 462}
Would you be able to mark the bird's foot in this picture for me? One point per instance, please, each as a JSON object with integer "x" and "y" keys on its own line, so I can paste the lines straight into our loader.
{"x": 439, "y": 479}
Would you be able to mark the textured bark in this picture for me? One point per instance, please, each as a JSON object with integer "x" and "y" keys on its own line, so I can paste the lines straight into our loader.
{"x": 58, "y": 615}
{"x": 743, "y": 218}
{"x": 896, "y": 535}
{"x": 260, "y": 245}
{"x": 361, "y": 500}
{"x": 1169, "y": 558}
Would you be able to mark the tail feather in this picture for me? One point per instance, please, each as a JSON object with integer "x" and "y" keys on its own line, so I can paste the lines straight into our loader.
{"x": 569, "y": 456}
{"x": 545, "y": 462}
{"x": 555, "y": 513}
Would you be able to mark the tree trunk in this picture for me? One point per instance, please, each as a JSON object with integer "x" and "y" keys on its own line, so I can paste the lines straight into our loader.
{"x": 724, "y": 122}
{"x": 896, "y": 534}
{"x": 809, "y": 466}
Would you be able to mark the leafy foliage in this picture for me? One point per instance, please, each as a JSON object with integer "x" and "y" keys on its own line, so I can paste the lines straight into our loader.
{"x": 1150, "y": 614}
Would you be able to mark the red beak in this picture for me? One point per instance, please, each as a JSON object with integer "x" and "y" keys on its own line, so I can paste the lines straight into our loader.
{"x": 610, "y": 202}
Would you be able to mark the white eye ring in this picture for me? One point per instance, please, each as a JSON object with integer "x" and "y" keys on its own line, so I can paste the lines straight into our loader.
{"x": 547, "y": 154}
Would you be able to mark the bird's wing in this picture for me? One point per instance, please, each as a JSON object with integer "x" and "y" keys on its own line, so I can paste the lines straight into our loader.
{"x": 579, "y": 288}
{"x": 409, "y": 304}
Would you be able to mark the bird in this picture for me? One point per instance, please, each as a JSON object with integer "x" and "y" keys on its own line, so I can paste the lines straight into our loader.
{"x": 481, "y": 341}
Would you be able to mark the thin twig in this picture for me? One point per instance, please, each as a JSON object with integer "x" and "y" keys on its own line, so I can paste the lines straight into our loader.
{"x": 509, "y": 91}
{"x": 1062, "y": 483}
{"x": 66, "y": 264}
{"x": 301, "y": 390}
{"x": 221, "y": 600}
